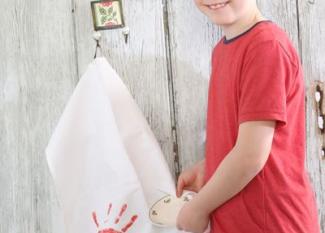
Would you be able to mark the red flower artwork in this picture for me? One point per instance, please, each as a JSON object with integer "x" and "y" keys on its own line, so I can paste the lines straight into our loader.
{"x": 106, "y": 4}
{"x": 110, "y": 23}
{"x": 117, "y": 219}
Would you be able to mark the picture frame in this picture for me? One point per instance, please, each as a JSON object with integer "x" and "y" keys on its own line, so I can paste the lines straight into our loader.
{"x": 107, "y": 14}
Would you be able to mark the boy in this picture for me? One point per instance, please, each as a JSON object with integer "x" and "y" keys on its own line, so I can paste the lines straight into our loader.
{"x": 253, "y": 177}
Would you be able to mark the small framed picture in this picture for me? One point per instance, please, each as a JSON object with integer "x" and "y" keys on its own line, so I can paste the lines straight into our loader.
{"x": 107, "y": 14}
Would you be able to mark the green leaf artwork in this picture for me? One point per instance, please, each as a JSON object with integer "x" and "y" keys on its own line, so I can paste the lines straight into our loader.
{"x": 102, "y": 11}
{"x": 103, "y": 19}
{"x": 110, "y": 10}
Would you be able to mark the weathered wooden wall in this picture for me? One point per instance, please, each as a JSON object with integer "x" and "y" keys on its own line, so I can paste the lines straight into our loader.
{"x": 47, "y": 45}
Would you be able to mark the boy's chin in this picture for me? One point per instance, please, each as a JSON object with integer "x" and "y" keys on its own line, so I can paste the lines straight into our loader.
{"x": 221, "y": 21}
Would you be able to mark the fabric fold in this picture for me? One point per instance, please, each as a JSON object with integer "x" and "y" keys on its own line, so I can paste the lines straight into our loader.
{"x": 106, "y": 164}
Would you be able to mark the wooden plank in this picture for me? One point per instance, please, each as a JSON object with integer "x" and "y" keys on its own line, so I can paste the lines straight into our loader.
{"x": 311, "y": 37}
{"x": 37, "y": 75}
{"x": 141, "y": 63}
{"x": 192, "y": 38}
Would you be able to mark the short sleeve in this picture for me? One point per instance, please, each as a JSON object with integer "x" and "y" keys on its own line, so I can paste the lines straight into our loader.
{"x": 263, "y": 84}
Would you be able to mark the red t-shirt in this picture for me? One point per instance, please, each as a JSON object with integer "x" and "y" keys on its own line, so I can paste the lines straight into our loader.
{"x": 258, "y": 76}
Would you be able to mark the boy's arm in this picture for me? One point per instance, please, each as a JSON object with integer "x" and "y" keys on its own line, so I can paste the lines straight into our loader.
{"x": 239, "y": 167}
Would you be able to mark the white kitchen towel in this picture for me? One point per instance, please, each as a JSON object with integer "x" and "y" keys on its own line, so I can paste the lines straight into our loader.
{"x": 106, "y": 163}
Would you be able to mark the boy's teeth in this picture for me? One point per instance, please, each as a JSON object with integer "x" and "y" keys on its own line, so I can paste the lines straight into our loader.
{"x": 217, "y": 6}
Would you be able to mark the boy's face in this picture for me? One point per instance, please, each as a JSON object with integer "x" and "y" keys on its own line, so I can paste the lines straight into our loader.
{"x": 226, "y": 12}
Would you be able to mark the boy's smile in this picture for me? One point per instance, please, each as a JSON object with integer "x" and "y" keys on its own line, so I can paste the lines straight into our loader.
{"x": 217, "y": 6}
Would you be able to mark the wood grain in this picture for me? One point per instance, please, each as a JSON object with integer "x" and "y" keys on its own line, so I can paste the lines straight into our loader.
{"x": 311, "y": 40}
{"x": 192, "y": 38}
{"x": 37, "y": 74}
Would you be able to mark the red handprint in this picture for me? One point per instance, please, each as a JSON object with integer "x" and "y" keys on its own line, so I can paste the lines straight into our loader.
{"x": 111, "y": 230}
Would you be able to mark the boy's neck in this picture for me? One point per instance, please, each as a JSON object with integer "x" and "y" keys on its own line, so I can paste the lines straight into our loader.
{"x": 242, "y": 25}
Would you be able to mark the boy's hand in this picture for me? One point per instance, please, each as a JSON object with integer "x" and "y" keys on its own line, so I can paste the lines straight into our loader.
{"x": 191, "y": 179}
{"x": 192, "y": 219}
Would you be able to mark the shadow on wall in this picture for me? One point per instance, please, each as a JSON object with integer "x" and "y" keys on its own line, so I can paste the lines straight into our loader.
{"x": 147, "y": 81}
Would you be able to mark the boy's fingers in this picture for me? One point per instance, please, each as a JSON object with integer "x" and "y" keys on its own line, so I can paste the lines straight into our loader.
{"x": 185, "y": 180}
{"x": 180, "y": 186}
{"x": 191, "y": 188}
